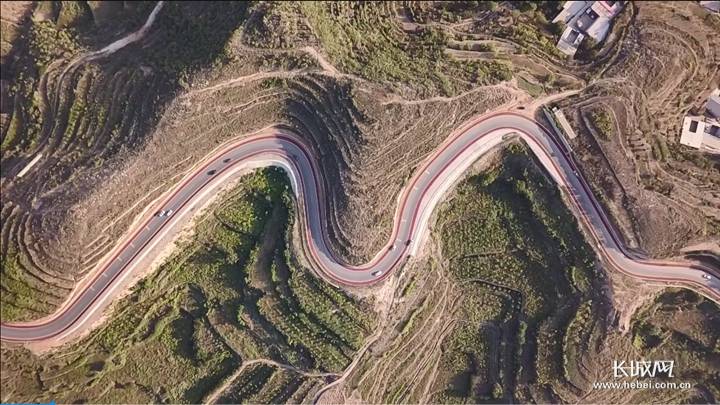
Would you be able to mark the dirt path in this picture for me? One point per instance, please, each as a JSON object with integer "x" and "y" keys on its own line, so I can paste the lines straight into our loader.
{"x": 239, "y": 81}
{"x": 324, "y": 64}
{"x": 215, "y": 395}
{"x": 539, "y": 102}
{"x": 396, "y": 99}
{"x": 385, "y": 302}
{"x": 128, "y": 39}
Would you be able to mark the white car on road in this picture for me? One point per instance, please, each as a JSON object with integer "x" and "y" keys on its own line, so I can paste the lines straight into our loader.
{"x": 164, "y": 213}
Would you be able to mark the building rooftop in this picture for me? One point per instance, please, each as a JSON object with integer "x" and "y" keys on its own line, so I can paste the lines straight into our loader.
{"x": 585, "y": 18}
{"x": 713, "y": 106}
{"x": 701, "y": 133}
{"x": 711, "y": 143}
{"x": 570, "y": 8}
{"x": 713, "y": 130}
{"x": 692, "y": 131}
{"x": 569, "y": 41}
{"x": 712, "y": 6}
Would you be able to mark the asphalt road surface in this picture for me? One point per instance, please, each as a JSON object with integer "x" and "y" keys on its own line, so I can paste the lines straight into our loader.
{"x": 416, "y": 203}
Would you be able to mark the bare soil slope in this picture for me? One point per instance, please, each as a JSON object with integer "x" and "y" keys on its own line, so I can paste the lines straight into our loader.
{"x": 663, "y": 194}
{"x": 117, "y": 132}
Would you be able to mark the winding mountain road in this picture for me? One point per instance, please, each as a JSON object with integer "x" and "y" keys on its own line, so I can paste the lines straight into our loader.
{"x": 416, "y": 202}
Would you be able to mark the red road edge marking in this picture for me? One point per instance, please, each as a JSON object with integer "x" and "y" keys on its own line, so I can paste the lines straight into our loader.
{"x": 320, "y": 190}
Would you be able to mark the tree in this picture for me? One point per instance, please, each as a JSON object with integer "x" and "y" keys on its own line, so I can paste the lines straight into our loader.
{"x": 497, "y": 391}
{"x": 557, "y": 28}
{"x": 540, "y": 18}
{"x": 488, "y": 5}
{"x": 528, "y": 6}
{"x": 549, "y": 79}
{"x": 588, "y": 49}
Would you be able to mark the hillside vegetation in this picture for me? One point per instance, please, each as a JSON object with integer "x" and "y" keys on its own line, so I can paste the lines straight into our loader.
{"x": 511, "y": 307}
{"x": 506, "y": 302}
{"x": 232, "y": 294}
{"x": 84, "y": 118}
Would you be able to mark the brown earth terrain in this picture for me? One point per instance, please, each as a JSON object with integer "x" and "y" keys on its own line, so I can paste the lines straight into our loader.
{"x": 463, "y": 328}
{"x": 374, "y": 87}
{"x": 57, "y": 230}
{"x": 663, "y": 194}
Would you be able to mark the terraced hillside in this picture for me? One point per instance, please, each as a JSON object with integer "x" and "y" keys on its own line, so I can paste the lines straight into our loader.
{"x": 659, "y": 63}
{"x": 84, "y": 116}
{"x": 505, "y": 304}
{"x": 230, "y": 317}
{"x": 365, "y": 40}
{"x": 630, "y": 120}
{"x": 509, "y": 307}
{"x": 102, "y": 147}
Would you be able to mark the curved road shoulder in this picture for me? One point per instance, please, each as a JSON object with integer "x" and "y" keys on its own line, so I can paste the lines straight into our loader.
{"x": 434, "y": 178}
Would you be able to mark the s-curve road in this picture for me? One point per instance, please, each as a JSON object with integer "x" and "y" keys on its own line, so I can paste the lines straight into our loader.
{"x": 416, "y": 202}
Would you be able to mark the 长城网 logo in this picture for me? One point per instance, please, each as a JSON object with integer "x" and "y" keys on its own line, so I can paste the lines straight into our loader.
{"x": 643, "y": 368}
{"x": 640, "y": 374}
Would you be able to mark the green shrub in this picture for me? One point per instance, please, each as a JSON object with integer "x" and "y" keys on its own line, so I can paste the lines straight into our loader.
{"x": 603, "y": 122}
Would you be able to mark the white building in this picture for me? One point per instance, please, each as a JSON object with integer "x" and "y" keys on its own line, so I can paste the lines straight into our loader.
{"x": 570, "y": 8}
{"x": 692, "y": 131}
{"x": 585, "y": 18}
{"x": 701, "y": 133}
